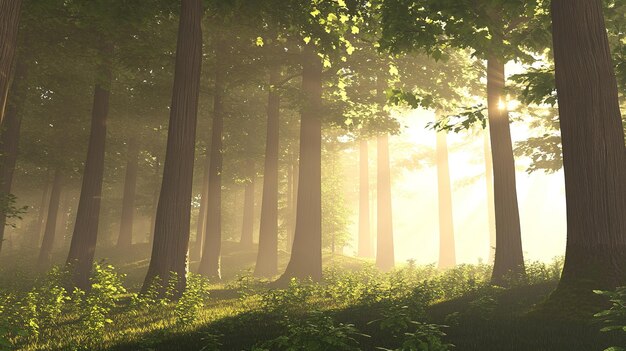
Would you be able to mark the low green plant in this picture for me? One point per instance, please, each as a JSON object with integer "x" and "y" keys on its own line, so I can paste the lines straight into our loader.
{"x": 426, "y": 337}
{"x": 97, "y": 304}
{"x": 315, "y": 332}
{"x": 615, "y": 317}
{"x": 192, "y": 300}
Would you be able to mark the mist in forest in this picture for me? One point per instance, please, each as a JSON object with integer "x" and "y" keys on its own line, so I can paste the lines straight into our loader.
{"x": 312, "y": 175}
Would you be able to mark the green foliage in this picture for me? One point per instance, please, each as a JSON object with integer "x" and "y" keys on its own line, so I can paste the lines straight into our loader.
{"x": 193, "y": 299}
{"x": 615, "y": 317}
{"x": 314, "y": 332}
{"x": 97, "y": 304}
{"x": 464, "y": 120}
{"x": 293, "y": 298}
{"x": 538, "y": 86}
{"x": 426, "y": 337}
{"x": 9, "y": 207}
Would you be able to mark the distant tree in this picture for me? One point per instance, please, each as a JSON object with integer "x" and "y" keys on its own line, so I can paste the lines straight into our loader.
{"x": 49, "y": 236}
{"x": 125, "y": 238}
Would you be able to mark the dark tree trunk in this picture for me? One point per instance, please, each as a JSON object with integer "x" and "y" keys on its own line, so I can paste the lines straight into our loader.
{"x": 306, "y": 253}
{"x": 9, "y": 23}
{"x": 385, "y": 250}
{"x": 365, "y": 239}
{"x": 9, "y": 148}
{"x": 45, "y": 253}
{"x": 171, "y": 230}
{"x": 125, "y": 239}
{"x": 83, "y": 245}
{"x": 210, "y": 263}
{"x": 196, "y": 249}
{"x": 447, "y": 248}
{"x": 593, "y": 149}
{"x": 155, "y": 198}
{"x": 267, "y": 259}
{"x": 491, "y": 211}
{"x": 509, "y": 259}
{"x": 247, "y": 227}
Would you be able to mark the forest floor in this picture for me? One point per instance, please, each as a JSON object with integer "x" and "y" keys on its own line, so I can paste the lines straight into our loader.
{"x": 355, "y": 308}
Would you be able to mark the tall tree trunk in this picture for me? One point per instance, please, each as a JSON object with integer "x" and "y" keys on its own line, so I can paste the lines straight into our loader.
{"x": 294, "y": 204}
{"x": 290, "y": 223}
{"x": 385, "y": 258}
{"x": 210, "y": 263}
{"x": 247, "y": 227}
{"x": 447, "y": 248}
{"x": 9, "y": 140}
{"x": 62, "y": 219}
{"x": 155, "y": 198}
{"x": 385, "y": 249}
{"x": 365, "y": 239}
{"x": 9, "y": 23}
{"x": 45, "y": 253}
{"x": 594, "y": 157}
{"x": 125, "y": 239}
{"x": 83, "y": 245}
{"x": 171, "y": 231}
{"x": 267, "y": 258}
{"x": 196, "y": 250}
{"x": 509, "y": 259}
{"x": 491, "y": 211}
{"x": 43, "y": 211}
{"x": 306, "y": 253}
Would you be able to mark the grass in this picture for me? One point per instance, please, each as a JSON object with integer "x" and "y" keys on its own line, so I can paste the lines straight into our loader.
{"x": 241, "y": 312}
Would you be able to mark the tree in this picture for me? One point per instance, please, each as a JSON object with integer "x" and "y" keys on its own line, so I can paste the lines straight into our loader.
{"x": 171, "y": 232}
{"x": 210, "y": 262}
{"x": 306, "y": 253}
{"x": 9, "y": 23}
{"x": 593, "y": 150}
{"x": 267, "y": 259}
{"x": 83, "y": 245}
{"x": 447, "y": 254}
{"x": 497, "y": 32}
{"x": 247, "y": 227}
{"x": 365, "y": 244}
{"x": 125, "y": 238}
{"x": 9, "y": 140}
{"x": 45, "y": 253}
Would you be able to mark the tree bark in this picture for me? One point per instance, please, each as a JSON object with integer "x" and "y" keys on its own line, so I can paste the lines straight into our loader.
{"x": 365, "y": 240}
{"x": 267, "y": 258}
{"x": 491, "y": 211}
{"x": 247, "y": 227}
{"x": 385, "y": 249}
{"x": 210, "y": 263}
{"x": 171, "y": 230}
{"x": 509, "y": 258}
{"x": 290, "y": 223}
{"x": 62, "y": 219}
{"x": 83, "y": 245}
{"x": 45, "y": 253}
{"x": 9, "y": 24}
{"x": 125, "y": 238}
{"x": 196, "y": 249}
{"x": 306, "y": 253}
{"x": 594, "y": 157}
{"x": 447, "y": 248}
{"x": 43, "y": 211}
{"x": 9, "y": 141}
